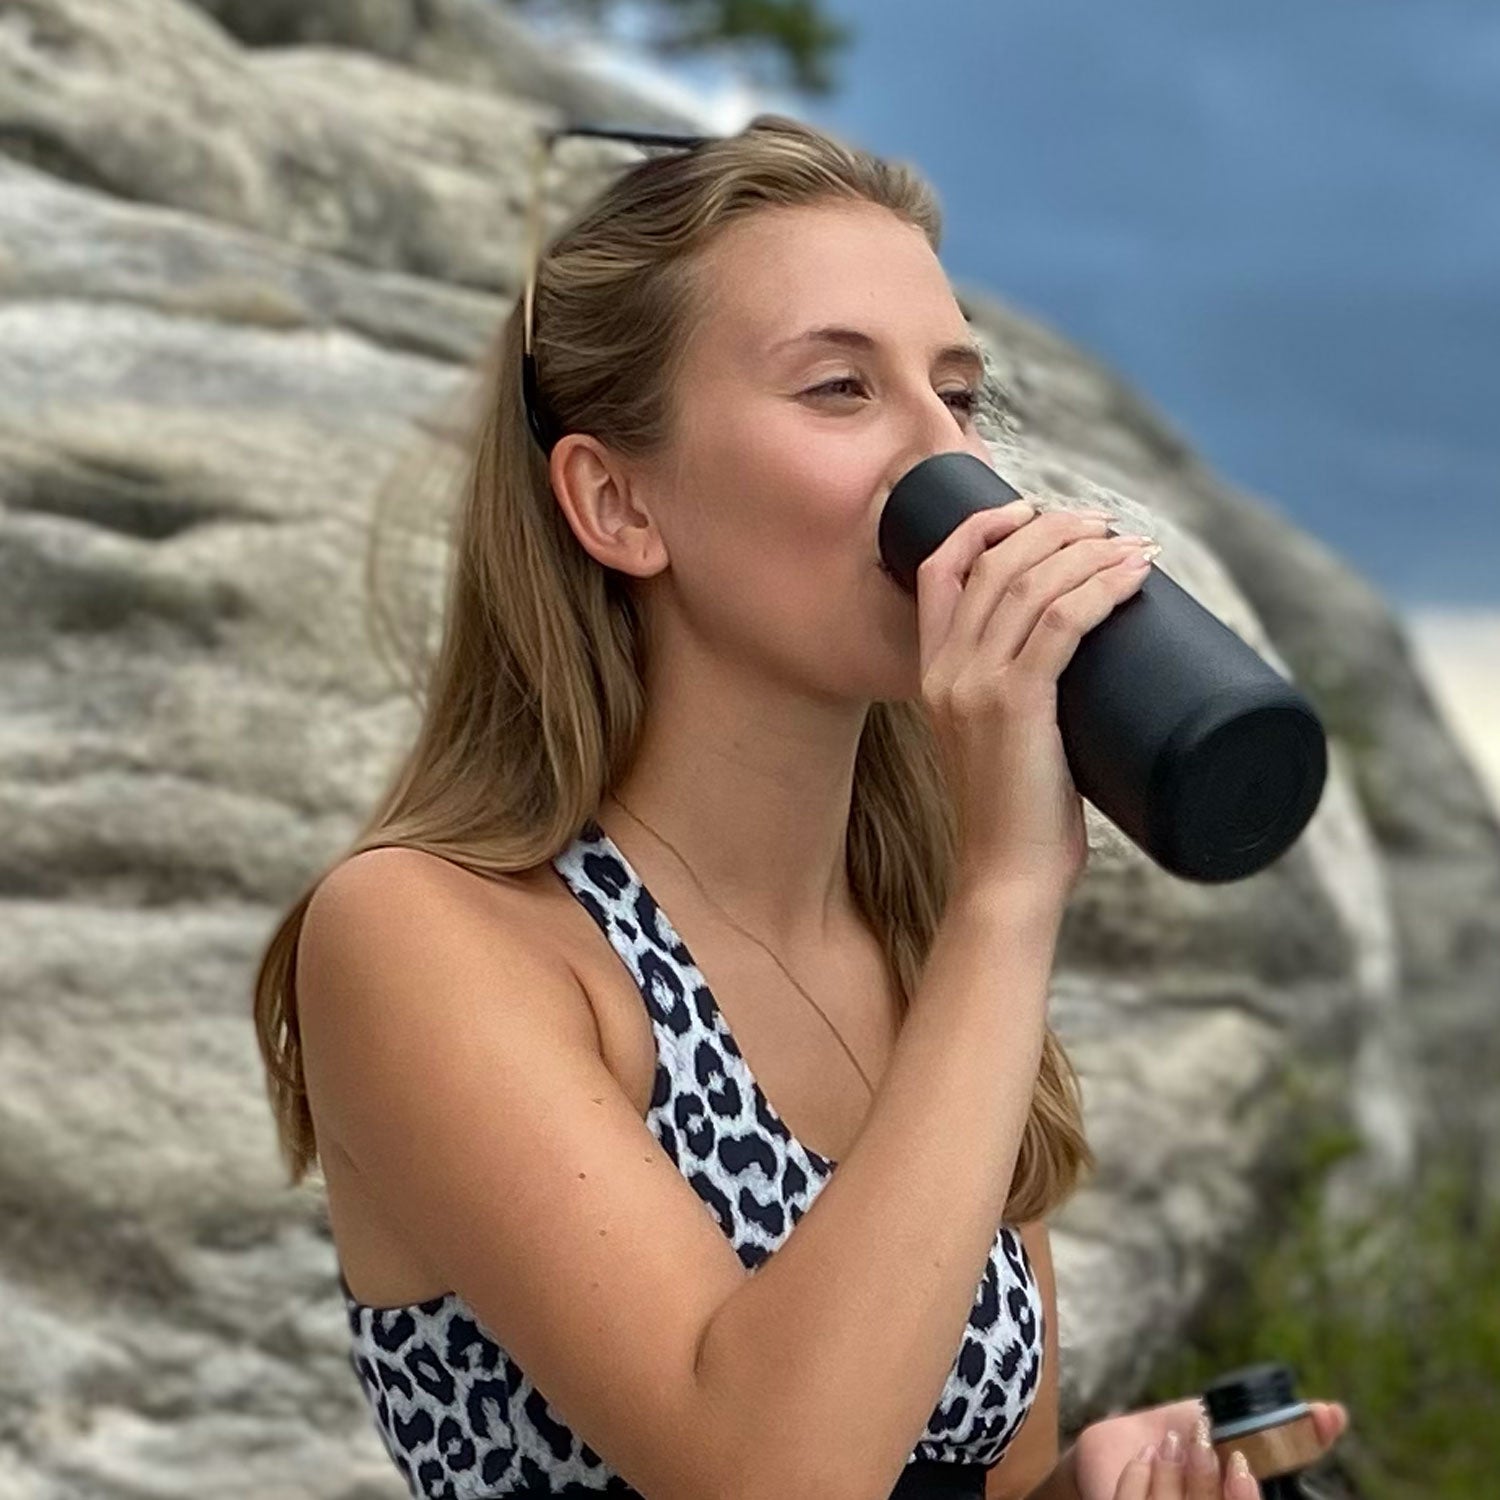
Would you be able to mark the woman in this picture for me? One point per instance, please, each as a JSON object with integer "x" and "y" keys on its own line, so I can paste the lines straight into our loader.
{"x": 674, "y": 678}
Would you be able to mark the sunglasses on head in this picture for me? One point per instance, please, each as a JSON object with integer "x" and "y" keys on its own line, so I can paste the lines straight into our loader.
{"x": 544, "y": 427}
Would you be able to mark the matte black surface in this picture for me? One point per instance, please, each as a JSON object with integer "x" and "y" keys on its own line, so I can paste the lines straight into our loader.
{"x": 1177, "y": 730}
{"x": 928, "y": 1479}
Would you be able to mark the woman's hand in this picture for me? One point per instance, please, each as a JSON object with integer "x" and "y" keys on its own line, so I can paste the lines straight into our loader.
{"x": 1002, "y": 603}
{"x": 1107, "y": 1461}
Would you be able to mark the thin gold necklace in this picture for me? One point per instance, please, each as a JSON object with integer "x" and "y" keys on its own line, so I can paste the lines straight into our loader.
{"x": 686, "y": 866}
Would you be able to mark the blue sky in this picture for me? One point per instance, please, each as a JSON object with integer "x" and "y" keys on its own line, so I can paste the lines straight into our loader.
{"x": 1280, "y": 222}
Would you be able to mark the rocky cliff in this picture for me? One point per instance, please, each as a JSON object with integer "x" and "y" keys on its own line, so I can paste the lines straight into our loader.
{"x": 248, "y": 253}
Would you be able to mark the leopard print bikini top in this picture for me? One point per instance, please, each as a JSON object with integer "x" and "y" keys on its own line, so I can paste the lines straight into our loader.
{"x": 459, "y": 1418}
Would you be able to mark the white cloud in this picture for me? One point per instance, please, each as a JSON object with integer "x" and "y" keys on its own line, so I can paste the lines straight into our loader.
{"x": 618, "y": 51}
{"x": 1459, "y": 652}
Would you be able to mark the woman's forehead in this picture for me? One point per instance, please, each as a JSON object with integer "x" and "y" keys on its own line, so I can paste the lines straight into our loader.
{"x": 811, "y": 243}
{"x": 775, "y": 288}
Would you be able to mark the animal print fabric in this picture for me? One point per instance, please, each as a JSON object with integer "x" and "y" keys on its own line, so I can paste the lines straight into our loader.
{"x": 461, "y": 1420}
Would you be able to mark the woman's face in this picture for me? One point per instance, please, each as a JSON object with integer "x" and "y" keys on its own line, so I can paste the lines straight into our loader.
{"x": 786, "y": 446}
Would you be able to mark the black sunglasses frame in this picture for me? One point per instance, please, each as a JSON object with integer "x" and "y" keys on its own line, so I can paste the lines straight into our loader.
{"x": 545, "y": 428}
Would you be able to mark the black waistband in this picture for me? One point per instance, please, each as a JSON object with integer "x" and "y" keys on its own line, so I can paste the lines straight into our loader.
{"x": 930, "y": 1479}
{"x": 921, "y": 1479}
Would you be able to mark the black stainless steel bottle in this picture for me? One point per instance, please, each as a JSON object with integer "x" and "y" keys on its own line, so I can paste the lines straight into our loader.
{"x": 1178, "y": 731}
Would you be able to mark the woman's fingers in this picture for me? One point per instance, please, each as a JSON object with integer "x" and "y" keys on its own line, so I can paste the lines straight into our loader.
{"x": 1330, "y": 1419}
{"x": 1135, "y": 1477}
{"x": 1204, "y": 1480}
{"x": 1239, "y": 1482}
{"x": 1168, "y": 1474}
{"x": 1186, "y": 1470}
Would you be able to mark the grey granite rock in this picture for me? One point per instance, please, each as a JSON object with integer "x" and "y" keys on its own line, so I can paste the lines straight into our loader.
{"x": 235, "y": 282}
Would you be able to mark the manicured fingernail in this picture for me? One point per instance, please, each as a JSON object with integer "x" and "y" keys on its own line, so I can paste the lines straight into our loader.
{"x": 1146, "y": 1454}
{"x": 1171, "y": 1449}
{"x": 1201, "y": 1453}
{"x": 1239, "y": 1466}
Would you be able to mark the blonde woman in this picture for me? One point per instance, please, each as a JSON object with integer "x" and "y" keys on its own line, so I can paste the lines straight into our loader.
{"x": 673, "y": 1038}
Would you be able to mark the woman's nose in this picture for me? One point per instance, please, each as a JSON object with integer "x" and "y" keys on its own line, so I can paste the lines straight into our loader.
{"x": 932, "y": 427}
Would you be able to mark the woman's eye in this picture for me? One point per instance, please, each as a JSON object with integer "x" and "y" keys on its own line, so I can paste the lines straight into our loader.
{"x": 967, "y": 399}
{"x": 830, "y": 386}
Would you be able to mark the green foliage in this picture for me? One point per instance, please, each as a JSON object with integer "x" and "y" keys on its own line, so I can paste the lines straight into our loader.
{"x": 795, "y": 32}
{"x": 1396, "y": 1316}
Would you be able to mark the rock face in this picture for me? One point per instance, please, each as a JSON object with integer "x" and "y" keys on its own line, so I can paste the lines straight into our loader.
{"x": 246, "y": 252}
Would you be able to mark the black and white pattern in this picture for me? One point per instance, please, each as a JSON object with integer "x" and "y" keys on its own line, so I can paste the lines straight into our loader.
{"x": 461, "y": 1420}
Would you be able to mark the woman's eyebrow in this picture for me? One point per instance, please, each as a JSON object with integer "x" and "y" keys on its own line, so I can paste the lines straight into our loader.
{"x": 969, "y": 354}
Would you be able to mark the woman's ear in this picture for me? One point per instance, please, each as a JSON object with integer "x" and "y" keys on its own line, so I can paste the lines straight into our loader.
{"x": 601, "y": 501}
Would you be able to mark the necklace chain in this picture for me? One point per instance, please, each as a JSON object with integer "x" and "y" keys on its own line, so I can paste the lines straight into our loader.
{"x": 686, "y": 866}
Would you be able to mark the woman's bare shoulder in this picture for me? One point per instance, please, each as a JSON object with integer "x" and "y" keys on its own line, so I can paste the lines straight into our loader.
{"x": 402, "y": 865}
{"x": 520, "y": 904}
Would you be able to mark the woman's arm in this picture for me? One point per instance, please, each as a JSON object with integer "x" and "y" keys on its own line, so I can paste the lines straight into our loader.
{"x": 879, "y": 1275}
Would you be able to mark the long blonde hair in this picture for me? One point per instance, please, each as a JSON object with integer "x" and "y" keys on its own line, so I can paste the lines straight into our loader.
{"x": 534, "y": 699}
